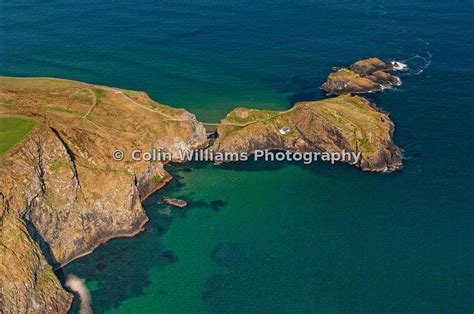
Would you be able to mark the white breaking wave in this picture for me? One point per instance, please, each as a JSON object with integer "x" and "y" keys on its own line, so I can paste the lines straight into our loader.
{"x": 399, "y": 66}
{"x": 78, "y": 285}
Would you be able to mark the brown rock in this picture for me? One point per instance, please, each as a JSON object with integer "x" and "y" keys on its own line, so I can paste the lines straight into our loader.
{"x": 364, "y": 76}
{"x": 175, "y": 202}
{"x": 348, "y": 123}
{"x": 370, "y": 65}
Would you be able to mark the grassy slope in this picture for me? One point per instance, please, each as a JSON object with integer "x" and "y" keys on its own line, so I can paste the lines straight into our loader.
{"x": 344, "y": 111}
{"x": 86, "y": 108}
{"x": 12, "y": 131}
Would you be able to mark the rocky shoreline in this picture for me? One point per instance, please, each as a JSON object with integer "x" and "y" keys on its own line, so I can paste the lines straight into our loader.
{"x": 62, "y": 194}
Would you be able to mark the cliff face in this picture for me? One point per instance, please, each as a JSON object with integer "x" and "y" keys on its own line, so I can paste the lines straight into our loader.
{"x": 28, "y": 283}
{"x": 347, "y": 123}
{"x": 62, "y": 193}
{"x": 364, "y": 76}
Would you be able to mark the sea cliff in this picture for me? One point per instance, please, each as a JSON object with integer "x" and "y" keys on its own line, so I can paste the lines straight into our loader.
{"x": 62, "y": 193}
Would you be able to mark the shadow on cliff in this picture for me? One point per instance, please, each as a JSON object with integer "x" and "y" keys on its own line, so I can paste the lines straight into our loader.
{"x": 42, "y": 243}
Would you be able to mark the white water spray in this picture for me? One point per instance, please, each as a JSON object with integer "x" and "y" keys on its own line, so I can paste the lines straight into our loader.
{"x": 78, "y": 285}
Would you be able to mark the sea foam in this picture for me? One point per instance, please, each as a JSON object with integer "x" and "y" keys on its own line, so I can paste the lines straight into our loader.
{"x": 399, "y": 66}
{"x": 78, "y": 285}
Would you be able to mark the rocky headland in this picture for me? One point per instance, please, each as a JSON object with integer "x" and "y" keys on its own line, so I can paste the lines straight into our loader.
{"x": 364, "y": 76}
{"x": 63, "y": 192}
{"x": 345, "y": 123}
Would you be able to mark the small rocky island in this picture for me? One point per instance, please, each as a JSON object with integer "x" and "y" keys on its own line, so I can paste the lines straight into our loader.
{"x": 349, "y": 123}
{"x": 63, "y": 193}
{"x": 174, "y": 202}
{"x": 364, "y": 76}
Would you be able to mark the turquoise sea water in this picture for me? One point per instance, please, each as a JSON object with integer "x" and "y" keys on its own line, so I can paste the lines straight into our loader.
{"x": 278, "y": 237}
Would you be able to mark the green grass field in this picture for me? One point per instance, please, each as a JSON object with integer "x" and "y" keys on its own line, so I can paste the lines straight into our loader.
{"x": 12, "y": 131}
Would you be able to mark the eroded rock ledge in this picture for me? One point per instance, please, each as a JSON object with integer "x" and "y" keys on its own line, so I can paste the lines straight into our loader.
{"x": 364, "y": 76}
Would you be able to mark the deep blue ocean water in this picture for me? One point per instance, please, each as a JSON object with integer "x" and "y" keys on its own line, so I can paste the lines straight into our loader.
{"x": 279, "y": 237}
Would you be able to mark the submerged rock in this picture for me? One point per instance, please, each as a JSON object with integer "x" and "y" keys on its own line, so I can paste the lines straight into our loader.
{"x": 169, "y": 257}
{"x": 364, "y": 76}
{"x": 218, "y": 204}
